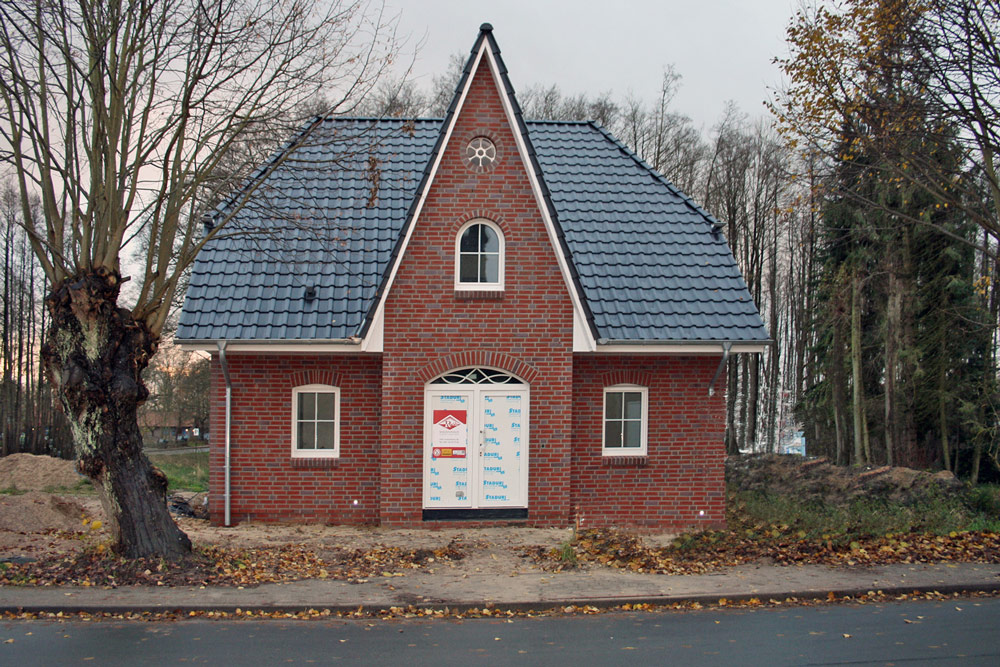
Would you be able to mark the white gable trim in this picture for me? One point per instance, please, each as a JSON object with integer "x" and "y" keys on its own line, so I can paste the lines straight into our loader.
{"x": 583, "y": 339}
{"x": 374, "y": 343}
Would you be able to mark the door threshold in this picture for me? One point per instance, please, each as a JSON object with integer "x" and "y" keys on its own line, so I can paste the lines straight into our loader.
{"x": 493, "y": 514}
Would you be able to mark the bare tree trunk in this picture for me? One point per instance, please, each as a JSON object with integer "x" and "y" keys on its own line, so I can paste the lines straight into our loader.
{"x": 774, "y": 354}
{"x": 866, "y": 439}
{"x": 732, "y": 442}
{"x": 906, "y": 385}
{"x": 753, "y": 400}
{"x": 943, "y": 414}
{"x": 861, "y": 447}
{"x": 839, "y": 391}
{"x": 977, "y": 455}
{"x": 891, "y": 361}
{"x": 95, "y": 356}
{"x": 9, "y": 426}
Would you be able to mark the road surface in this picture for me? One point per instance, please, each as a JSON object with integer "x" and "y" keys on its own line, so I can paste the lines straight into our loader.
{"x": 954, "y": 632}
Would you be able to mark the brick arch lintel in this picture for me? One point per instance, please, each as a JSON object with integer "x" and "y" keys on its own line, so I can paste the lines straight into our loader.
{"x": 315, "y": 376}
{"x": 627, "y": 376}
{"x": 484, "y": 214}
{"x": 492, "y": 359}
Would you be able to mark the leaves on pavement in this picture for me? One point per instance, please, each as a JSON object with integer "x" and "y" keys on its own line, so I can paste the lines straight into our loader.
{"x": 224, "y": 566}
{"x": 708, "y": 551}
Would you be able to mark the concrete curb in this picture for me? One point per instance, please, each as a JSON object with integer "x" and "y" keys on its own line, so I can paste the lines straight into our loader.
{"x": 522, "y": 606}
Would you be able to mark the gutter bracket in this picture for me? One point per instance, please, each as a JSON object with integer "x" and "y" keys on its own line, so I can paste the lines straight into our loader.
{"x": 726, "y": 347}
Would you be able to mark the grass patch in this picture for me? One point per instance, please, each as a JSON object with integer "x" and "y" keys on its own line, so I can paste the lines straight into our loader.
{"x": 762, "y": 514}
{"x": 188, "y": 471}
{"x": 566, "y": 553}
{"x": 81, "y": 488}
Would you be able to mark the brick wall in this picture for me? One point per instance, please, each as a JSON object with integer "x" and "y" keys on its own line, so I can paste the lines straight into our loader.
{"x": 528, "y": 330}
{"x": 265, "y": 483}
{"x": 684, "y": 471}
{"x": 429, "y": 328}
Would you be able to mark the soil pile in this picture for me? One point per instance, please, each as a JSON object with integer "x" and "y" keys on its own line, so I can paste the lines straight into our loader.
{"x": 819, "y": 479}
{"x": 36, "y": 512}
{"x": 31, "y": 472}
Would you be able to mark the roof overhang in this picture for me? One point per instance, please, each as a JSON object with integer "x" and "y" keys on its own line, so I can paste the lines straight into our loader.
{"x": 356, "y": 346}
{"x": 679, "y": 347}
{"x": 338, "y": 345}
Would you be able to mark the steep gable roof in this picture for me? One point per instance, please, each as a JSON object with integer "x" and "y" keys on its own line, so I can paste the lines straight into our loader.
{"x": 649, "y": 266}
{"x": 319, "y": 221}
{"x": 311, "y": 256}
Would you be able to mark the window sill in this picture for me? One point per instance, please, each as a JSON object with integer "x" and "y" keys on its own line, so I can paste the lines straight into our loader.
{"x": 316, "y": 463}
{"x": 624, "y": 461}
{"x": 478, "y": 295}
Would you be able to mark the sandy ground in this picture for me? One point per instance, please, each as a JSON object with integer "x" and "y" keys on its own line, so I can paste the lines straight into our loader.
{"x": 36, "y": 524}
{"x": 31, "y": 472}
{"x": 488, "y": 551}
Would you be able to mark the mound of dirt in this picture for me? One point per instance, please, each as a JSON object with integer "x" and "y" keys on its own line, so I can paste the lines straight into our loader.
{"x": 819, "y": 479}
{"x": 31, "y": 472}
{"x": 36, "y": 512}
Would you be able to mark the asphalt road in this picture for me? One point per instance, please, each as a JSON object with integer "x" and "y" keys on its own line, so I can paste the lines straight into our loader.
{"x": 959, "y": 631}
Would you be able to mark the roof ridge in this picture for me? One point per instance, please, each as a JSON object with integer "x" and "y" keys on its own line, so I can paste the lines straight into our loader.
{"x": 387, "y": 119}
{"x": 657, "y": 175}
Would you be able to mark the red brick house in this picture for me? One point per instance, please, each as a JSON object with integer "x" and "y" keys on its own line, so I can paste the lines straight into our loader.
{"x": 478, "y": 319}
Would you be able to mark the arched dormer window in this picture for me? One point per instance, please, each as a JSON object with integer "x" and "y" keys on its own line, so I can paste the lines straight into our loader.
{"x": 479, "y": 256}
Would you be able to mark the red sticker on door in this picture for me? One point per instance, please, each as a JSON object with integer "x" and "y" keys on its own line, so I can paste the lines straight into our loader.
{"x": 450, "y": 432}
{"x": 449, "y": 420}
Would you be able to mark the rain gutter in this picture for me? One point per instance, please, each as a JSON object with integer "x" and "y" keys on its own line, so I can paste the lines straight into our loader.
{"x": 229, "y": 414}
{"x": 726, "y": 347}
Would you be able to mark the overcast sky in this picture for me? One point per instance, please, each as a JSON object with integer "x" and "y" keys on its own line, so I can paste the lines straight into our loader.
{"x": 722, "y": 48}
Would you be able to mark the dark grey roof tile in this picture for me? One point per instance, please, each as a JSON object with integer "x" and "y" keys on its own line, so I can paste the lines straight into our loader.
{"x": 648, "y": 264}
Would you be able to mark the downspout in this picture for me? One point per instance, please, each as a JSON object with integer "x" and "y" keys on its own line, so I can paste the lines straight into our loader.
{"x": 711, "y": 387}
{"x": 229, "y": 414}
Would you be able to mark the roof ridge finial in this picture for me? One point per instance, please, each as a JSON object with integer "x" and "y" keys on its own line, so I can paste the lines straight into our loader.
{"x": 486, "y": 27}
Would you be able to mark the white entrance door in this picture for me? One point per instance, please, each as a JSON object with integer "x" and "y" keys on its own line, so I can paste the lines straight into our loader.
{"x": 476, "y": 441}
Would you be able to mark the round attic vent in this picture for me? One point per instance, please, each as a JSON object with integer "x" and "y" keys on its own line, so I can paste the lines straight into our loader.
{"x": 480, "y": 154}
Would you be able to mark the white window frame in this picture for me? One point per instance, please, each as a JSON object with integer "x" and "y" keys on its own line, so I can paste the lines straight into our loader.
{"x": 501, "y": 259}
{"x": 337, "y": 418}
{"x": 644, "y": 430}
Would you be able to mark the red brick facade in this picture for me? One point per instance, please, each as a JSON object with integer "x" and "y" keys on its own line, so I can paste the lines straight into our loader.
{"x": 265, "y": 483}
{"x": 683, "y": 473}
{"x": 530, "y": 324}
{"x": 430, "y": 328}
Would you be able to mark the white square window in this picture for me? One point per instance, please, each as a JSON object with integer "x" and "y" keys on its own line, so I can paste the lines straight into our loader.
{"x": 626, "y": 409}
{"x": 316, "y": 421}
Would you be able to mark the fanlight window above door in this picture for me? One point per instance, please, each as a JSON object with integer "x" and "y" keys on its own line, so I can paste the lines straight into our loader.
{"x": 476, "y": 376}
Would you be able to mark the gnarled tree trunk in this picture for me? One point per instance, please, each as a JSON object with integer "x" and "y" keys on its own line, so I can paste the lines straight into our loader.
{"x": 94, "y": 356}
